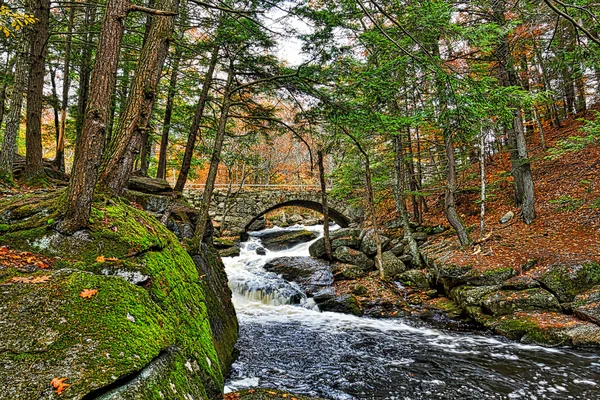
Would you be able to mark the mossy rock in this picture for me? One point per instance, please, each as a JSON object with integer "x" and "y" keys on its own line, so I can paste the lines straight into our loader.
{"x": 567, "y": 281}
{"x": 488, "y": 277}
{"x": 505, "y": 302}
{"x": 151, "y": 331}
{"x": 345, "y": 304}
{"x": 415, "y": 279}
{"x": 546, "y": 328}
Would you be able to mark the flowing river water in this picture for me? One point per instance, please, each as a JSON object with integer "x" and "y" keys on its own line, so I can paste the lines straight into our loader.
{"x": 296, "y": 347}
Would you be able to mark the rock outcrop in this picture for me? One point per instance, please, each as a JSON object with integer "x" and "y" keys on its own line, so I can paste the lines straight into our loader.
{"x": 161, "y": 324}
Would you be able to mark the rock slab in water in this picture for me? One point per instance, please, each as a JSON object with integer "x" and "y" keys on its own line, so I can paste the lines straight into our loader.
{"x": 345, "y": 304}
{"x": 313, "y": 276}
{"x": 283, "y": 240}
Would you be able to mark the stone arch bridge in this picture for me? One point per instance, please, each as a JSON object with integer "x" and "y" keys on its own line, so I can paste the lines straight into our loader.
{"x": 238, "y": 210}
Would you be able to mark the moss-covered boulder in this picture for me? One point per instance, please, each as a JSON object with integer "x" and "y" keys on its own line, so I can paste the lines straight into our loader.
{"x": 342, "y": 272}
{"x": 345, "y": 304}
{"x": 414, "y": 278}
{"x": 546, "y": 328}
{"x": 157, "y": 325}
{"x": 505, "y": 302}
{"x": 350, "y": 256}
{"x": 347, "y": 237}
{"x": 392, "y": 265}
{"x": 567, "y": 281}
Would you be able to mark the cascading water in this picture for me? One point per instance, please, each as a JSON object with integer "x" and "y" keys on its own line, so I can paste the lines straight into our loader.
{"x": 286, "y": 343}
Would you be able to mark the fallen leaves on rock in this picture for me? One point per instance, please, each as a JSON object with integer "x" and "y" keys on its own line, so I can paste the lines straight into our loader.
{"x": 23, "y": 259}
{"x": 59, "y": 384}
{"x": 101, "y": 259}
{"x": 29, "y": 279}
{"x": 88, "y": 293}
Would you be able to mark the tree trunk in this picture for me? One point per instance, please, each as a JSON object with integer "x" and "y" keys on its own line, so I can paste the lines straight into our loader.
{"x": 327, "y": 241}
{"x": 399, "y": 173}
{"x": 124, "y": 145}
{"x": 451, "y": 186}
{"x": 164, "y": 141}
{"x": 209, "y": 186}
{"x": 191, "y": 142}
{"x": 521, "y": 169}
{"x": 35, "y": 88}
{"x": 85, "y": 70}
{"x": 482, "y": 173}
{"x": 55, "y": 103}
{"x": 90, "y": 144}
{"x": 59, "y": 160}
{"x": 9, "y": 146}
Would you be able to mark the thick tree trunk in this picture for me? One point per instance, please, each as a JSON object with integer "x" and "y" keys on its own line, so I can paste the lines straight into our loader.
{"x": 35, "y": 88}
{"x": 13, "y": 120}
{"x": 327, "y": 241}
{"x": 59, "y": 160}
{"x": 399, "y": 174}
{"x": 85, "y": 69}
{"x": 209, "y": 185}
{"x": 125, "y": 143}
{"x": 164, "y": 141}
{"x": 524, "y": 166}
{"x": 90, "y": 144}
{"x": 191, "y": 142}
{"x": 449, "y": 199}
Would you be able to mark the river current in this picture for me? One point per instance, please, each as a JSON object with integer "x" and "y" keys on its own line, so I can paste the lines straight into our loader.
{"x": 297, "y": 348}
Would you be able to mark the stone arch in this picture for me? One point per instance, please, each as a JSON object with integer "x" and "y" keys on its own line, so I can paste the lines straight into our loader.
{"x": 335, "y": 215}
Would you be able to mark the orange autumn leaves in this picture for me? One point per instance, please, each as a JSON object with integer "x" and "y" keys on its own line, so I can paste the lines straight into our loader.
{"x": 88, "y": 293}
{"x": 21, "y": 259}
{"x": 59, "y": 384}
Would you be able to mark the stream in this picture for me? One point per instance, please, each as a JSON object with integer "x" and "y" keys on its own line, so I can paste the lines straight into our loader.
{"x": 297, "y": 348}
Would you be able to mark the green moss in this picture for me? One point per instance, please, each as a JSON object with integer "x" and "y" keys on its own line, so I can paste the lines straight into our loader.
{"x": 527, "y": 330}
{"x": 567, "y": 281}
{"x": 4, "y": 227}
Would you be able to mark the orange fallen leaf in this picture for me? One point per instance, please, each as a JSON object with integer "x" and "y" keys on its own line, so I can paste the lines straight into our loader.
{"x": 40, "y": 279}
{"x": 100, "y": 259}
{"x": 88, "y": 293}
{"x": 59, "y": 384}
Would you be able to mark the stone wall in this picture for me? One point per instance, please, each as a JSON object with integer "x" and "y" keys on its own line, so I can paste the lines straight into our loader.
{"x": 236, "y": 212}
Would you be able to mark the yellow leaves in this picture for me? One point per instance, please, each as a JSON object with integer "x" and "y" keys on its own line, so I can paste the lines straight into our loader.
{"x": 13, "y": 21}
{"x": 59, "y": 384}
{"x": 88, "y": 293}
{"x": 101, "y": 259}
{"x": 30, "y": 279}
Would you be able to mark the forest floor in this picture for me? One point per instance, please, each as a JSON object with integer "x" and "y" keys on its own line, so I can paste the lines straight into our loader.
{"x": 567, "y": 188}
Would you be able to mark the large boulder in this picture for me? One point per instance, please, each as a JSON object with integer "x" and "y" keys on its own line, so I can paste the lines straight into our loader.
{"x": 343, "y": 272}
{"x": 505, "y": 302}
{"x": 345, "y": 304}
{"x": 282, "y": 240}
{"x": 350, "y": 256}
{"x": 368, "y": 244}
{"x": 148, "y": 185}
{"x": 415, "y": 279}
{"x": 392, "y": 265}
{"x": 155, "y": 323}
{"x": 313, "y": 276}
{"x": 567, "y": 281}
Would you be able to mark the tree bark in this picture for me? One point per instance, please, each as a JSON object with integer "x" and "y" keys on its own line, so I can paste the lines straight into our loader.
{"x": 90, "y": 144}
{"x": 164, "y": 141}
{"x": 209, "y": 186}
{"x": 191, "y": 142}
{"x": 85, "y": 70}
{"x": 399, "y": 173}
{"x": 327, "y": 241}
{"x": 35, "y": 87}
{"x": 13, "y": 120}
{"x": 59, "y": 160}
{"x": 126, "y": 140}
{"x": 449, "y": 199}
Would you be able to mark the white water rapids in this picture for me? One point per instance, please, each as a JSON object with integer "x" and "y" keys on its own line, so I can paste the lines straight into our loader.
{"x": 296, "y": 347}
